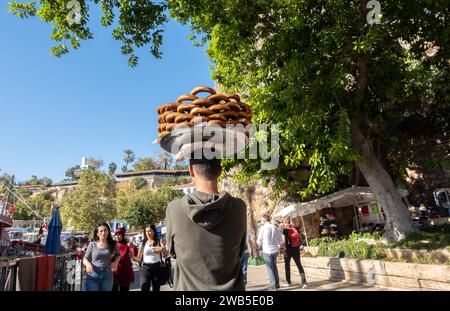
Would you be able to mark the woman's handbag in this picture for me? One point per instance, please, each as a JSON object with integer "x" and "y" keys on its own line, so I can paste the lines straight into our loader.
{"x": 165, "y": 272}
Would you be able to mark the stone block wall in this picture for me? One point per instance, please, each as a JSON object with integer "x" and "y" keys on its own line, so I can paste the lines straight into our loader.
{"x": 406, "y": 276}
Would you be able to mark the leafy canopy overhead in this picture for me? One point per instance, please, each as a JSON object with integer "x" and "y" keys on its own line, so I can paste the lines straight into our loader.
{"x": 317, "y": 68}
{"x": 137, "y": 23}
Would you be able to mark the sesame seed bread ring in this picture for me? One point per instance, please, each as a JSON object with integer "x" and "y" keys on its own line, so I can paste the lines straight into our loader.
{"x": 199, "y": 119}
{"x": 234, "y": 106}
{"x": 231, "y": 121}
{"x": 162, "y": 117}
{"x": 163, "y": 108}
{"x": 217, "y": 116}
{"x": 161, "y": 127}
{"x": 169, "y": 126}
{"x": 185, "y": 108}
{"x": 170, "y": 118}
{"x": 162, "y": 134}
{"x": 183, "y": 117}
{"x": 217, "y": 98}
{"x": 183, "y": 124}
{"x": 243, "y": 114}
{"x": 202, "y": 102}
{"x": 186, "y": 97}
{"x": 201, "y": 111}
{"x": 219, "y": 107}
{"x": 201, "y": 89}
{"x": 231, "y": 114}
{"x": 217, "y": 122}
{"x": 233, "y": 96}
{"x": 171, "y": 107}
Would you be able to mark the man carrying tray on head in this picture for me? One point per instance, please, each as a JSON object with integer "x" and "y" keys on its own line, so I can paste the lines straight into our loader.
{"x": 206, "y": 233}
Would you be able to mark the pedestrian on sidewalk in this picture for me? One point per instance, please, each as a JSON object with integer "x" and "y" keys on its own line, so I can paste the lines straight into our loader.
{"x": 248, "y": 250}
{"x": 151, "y": 253}
{"x": 206, "y": 233}
{"x": 124, "y": 275}
{"x": 271, "y": 242}
{"x": 98, "y": 260}
{"x": 292, "y": 242}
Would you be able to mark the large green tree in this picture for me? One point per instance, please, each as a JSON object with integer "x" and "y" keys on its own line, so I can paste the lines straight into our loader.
{"x": 142, "y": 207}
{"x": 71, "y": 173}
{"x": 338, "y": 86}
{"x": 91, "y": 203}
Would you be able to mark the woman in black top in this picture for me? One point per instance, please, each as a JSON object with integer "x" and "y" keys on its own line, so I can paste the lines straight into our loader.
{"x": 292, "y": 242}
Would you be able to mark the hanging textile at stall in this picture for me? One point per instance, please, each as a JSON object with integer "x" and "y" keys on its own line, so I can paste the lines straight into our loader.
{"x": 365, "y": 210}
{"x": 374, "y": 208}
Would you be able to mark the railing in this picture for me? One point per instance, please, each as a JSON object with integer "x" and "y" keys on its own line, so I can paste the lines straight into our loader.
{"x": 68, "y": 274}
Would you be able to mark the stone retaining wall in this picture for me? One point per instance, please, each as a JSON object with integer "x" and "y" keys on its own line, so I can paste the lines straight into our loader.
{"x": 398, "y": 275}
{"x": 441, "y": 256}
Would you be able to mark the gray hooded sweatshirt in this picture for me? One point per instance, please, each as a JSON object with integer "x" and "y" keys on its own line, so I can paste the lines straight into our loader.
{"x": 206, "y": 234}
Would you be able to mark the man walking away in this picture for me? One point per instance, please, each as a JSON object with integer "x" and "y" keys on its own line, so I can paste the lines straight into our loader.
{"x": 270, "y": 238}
{"x": 206, "y": 233}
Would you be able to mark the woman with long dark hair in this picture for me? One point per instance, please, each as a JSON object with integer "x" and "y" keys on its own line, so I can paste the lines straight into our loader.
{"x": 151, "y": 253}
{"x": 98, "y": 260}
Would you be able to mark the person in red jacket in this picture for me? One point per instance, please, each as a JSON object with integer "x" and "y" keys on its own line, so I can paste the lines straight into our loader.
{"x": 124, "y": 275}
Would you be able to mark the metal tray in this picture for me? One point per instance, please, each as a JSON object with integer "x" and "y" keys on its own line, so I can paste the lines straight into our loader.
{"x": 205, "y": 141}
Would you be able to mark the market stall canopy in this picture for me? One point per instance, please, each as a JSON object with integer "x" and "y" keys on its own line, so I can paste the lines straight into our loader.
{"x": 346, "y": 197}
{"x": 286, "y": 211}
{"x": 16, "y": 229}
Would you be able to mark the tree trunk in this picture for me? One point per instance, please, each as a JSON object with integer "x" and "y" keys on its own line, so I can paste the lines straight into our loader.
{"x": 398, "y": 219}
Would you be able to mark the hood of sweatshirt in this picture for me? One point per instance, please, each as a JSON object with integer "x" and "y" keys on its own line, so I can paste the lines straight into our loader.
{"x": 207, "y": 210}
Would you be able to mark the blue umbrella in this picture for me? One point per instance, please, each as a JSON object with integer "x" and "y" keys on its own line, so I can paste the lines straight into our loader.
{"x": 53, "y": 242}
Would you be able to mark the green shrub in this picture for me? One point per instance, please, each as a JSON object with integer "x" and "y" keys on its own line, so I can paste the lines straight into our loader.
{"x": 431, "y": 238}
{"x": 351, "y": 247}
{"x": 139, "y": 183}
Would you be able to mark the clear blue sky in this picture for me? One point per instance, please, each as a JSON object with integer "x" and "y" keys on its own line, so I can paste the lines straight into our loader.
{"x": 87, "y": 103}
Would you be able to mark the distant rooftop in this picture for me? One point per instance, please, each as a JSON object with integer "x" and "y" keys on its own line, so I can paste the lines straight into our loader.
{"x": 153, "y": 173}
{"x": 190, "y": 185}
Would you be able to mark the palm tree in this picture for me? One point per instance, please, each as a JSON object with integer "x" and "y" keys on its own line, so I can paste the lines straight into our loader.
{"x": 129, "y": 157}
{"x": 112, "y": 168}
{"x": 165, "y": 159}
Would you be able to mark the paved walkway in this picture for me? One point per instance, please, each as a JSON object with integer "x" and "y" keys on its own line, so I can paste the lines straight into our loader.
{"x": 258, "y": 280}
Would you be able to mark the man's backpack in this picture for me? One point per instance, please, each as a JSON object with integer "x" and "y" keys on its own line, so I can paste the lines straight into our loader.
{"x": 294, "y": 237}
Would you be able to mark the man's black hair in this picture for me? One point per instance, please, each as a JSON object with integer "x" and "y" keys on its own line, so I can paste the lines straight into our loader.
{"x": 208, "y": 169}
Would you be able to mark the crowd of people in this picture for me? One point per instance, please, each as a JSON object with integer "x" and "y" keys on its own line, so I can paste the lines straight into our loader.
{"x": 206, "y": 234}
{"x": 109, "y": 262}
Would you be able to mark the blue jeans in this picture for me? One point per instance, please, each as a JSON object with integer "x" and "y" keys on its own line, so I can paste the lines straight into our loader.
{"x": 244, "y": 266}
{"x": 271, "y": 264}
{"x": 101, "y": 279}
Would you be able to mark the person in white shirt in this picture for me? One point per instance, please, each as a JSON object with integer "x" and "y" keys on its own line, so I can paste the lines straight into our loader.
{"x": 151, "y": 253}
{"x": 270, "y": 240}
